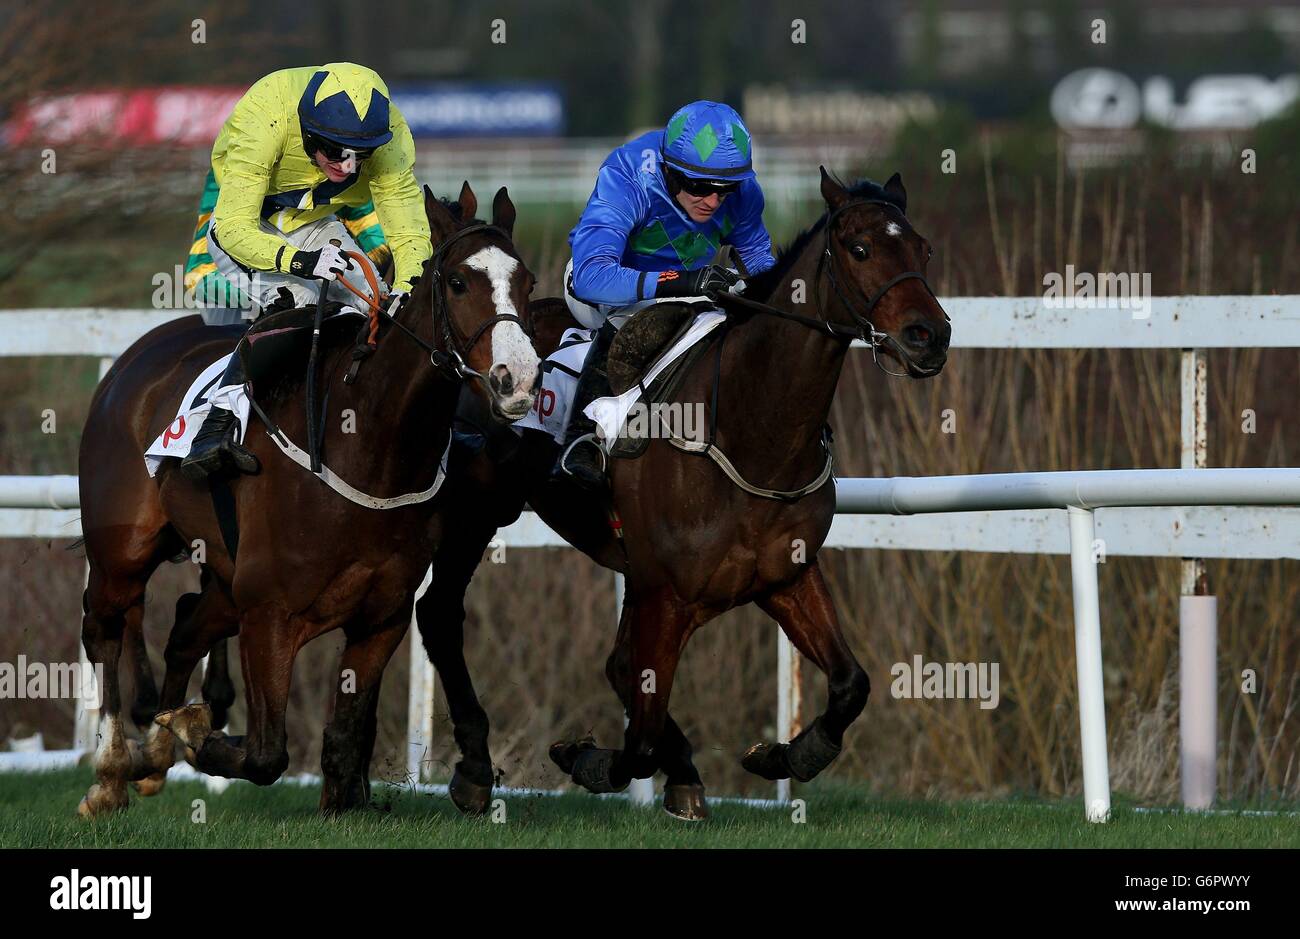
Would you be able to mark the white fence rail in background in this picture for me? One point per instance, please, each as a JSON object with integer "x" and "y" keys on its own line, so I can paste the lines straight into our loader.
{"x": 1159, "y": 513}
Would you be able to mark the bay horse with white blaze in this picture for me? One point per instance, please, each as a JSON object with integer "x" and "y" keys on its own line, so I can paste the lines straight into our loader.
{"x": 306, "y": 560}
{"x": 698, "y": 539}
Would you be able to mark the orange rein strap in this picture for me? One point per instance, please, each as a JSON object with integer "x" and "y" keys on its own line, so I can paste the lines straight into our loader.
{"x": 372, "y": 280}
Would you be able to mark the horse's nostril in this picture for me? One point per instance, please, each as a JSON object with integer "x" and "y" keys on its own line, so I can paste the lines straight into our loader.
{"x": 503, "y": 383}
{"x": 918, "y": 335}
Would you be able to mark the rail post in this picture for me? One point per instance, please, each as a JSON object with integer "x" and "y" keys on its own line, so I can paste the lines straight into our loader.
{"x": 419, "y": 710}
{"x": 1087, "y": 654}
{"x": 1197, "y": 616}
{"x": 788, "y": 703}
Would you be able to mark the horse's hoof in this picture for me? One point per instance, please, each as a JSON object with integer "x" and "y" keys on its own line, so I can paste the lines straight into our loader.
{"x": 191, "y": 723}
{"x": 151, "y": 785}
{"x": 100, "y": 800}
{"x": 564, "y": 753}
{"x": 766, "y": 760}
{"x": 593, "y": 771}
{"x": 471, "y": 798}
{"x": 686, "y": 802}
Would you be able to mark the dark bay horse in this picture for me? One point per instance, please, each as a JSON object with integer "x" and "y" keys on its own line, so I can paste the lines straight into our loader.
{"x": 695, "y": 543}
{"x": 308, "y": 560}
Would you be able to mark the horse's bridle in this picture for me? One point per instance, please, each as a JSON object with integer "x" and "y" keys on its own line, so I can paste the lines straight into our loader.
{"x": 451, "y": 360}
{"x": 864, "y": 329}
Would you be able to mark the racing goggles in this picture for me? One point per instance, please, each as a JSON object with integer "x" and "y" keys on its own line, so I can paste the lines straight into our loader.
{"x": 702, "y": 187}
{"x": 336, "y": 153}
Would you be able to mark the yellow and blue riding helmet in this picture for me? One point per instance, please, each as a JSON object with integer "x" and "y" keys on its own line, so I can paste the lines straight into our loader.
{"x": 344, "y": 108}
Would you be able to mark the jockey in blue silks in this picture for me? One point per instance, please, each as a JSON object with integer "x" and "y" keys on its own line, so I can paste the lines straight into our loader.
{"x": 663, "y": 205}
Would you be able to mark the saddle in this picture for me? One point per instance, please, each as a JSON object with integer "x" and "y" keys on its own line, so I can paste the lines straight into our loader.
{"x": 646, "y": 337}
{"x": 274, "y": 350}
{"x": 636, "y": 350}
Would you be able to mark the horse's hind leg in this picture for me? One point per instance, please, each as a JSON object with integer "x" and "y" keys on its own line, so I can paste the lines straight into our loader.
{"x": 218, "y": 689}
{"x": 145, "y": 705}
{"x": 807, "y": 615}
{"x": 683, "y": 788}
{"x": 350, "y": 735}
{"x": 112, "y": 605}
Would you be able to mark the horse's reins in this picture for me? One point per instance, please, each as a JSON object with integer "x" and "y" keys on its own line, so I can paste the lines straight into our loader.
{"x": 865, "y": 330}
{"x": 451, "y": 363}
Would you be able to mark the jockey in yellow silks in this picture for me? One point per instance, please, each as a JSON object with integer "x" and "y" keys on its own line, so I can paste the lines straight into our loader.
{"x": 312, "y": 162}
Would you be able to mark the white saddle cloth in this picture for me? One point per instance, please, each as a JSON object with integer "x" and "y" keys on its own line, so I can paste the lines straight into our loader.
{"x": 560, "y": 380}
{"x": 198, "y": 401}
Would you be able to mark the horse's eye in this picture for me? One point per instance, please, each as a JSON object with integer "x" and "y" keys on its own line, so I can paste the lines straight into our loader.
{"x": 456, "y": 284}
{"x": 859, "y": 251}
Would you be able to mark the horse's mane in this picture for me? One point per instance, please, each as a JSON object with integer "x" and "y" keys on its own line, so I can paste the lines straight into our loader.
{"x": 760, "y": 287}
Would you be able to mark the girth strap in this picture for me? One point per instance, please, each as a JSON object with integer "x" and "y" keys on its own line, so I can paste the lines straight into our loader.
{"x": 339, "y": 485}
{"x": 789, "y": 495}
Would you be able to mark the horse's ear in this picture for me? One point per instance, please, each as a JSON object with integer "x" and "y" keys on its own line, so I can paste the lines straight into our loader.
{"x": 441, "y": 224}
{"x": 896, "y": 191}
{"x": 503, "y": 212}
{"x": 834, "y": 194}
{"x": 468, "y": 202}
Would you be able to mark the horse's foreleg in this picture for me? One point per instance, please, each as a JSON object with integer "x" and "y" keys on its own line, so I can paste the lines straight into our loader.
{"x": 350, "y": 735}
{"x": 440, "y": 615}
{"x": 268, "y": 644}
{"x": 658, "y": 627}
{"x": 807, "y": 615}
{"x": 683, "y": 788}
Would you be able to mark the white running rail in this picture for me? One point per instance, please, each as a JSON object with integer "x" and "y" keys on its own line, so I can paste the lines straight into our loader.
{"x": 1191, "y": 513}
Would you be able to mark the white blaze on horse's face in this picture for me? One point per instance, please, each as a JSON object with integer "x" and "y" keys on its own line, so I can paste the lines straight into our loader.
{"x": 893, "y": 229}
{"x": 514, "y": 362}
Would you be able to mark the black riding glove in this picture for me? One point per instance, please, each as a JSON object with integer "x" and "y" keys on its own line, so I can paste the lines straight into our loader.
{"x": 699, "y": 283}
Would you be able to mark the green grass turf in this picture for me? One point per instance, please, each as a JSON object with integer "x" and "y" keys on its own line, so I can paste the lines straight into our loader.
{"x": 39, "y": 810}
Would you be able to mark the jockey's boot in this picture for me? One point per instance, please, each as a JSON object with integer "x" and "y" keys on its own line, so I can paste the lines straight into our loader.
{"x": 215, "y": 449}
{"x": 582, "y": 457}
